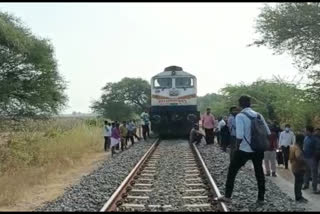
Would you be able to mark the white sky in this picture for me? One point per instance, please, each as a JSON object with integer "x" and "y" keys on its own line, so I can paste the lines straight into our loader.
{"x": 96, "y": 43}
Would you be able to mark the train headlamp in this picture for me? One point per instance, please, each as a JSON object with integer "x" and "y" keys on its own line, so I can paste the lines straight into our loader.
{"x": 191, "y": 117}
{"x": 156, "y": 119}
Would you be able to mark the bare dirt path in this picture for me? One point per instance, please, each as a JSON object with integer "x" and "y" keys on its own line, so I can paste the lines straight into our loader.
{"x": 285, "y": 182}
{"x": 56, "y": 184}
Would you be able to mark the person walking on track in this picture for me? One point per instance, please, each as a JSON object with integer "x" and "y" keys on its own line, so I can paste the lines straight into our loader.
{"x": 286, "y": 139}
{"x": 244, "y": 152}
{"x": 208, "y": 123}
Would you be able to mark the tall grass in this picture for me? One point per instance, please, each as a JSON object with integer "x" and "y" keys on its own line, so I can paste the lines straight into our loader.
{"x": 32, "y": 155}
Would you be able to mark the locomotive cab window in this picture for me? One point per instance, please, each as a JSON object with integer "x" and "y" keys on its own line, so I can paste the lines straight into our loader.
{"x": 162, "y": 83}
{"x": 184, "y": 82}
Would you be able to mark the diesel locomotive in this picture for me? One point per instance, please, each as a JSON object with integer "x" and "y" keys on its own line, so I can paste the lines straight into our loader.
{"x": 173, "y": 102}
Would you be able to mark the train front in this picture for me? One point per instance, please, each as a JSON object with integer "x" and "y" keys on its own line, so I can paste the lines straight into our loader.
{"x": 173, "y": 102}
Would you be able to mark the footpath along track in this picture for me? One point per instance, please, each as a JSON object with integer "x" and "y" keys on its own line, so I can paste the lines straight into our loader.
{"x": 171, "y": 176}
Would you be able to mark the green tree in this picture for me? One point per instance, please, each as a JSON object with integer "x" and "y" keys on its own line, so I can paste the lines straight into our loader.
{"x": 113, "y": 110}
{"x": 122, "y": 100}
{"x": 216, "y": 102}
{"x": 276, "y": 99}
{"x": 30, "y": 84}
{"x": 293, "y": 28}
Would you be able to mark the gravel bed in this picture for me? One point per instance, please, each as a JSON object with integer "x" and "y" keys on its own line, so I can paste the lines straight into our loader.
{"x": 245, "y": 190}
{"x": 94, "y": 189}
{"x": 169, "y": 183}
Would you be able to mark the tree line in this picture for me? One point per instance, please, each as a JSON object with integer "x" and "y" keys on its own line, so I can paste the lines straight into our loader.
{"x": 31, "y": 85}
{"x": 278, "y": 100}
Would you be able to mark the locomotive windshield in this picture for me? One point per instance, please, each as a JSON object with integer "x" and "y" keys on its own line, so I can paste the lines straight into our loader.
{"x": 163, "y": 83}
{"x": 184, "y": 82}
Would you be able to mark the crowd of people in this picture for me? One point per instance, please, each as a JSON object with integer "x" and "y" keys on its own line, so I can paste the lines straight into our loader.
{"x": 116, "y": 134}
{"x": 301, "y": 150}
{"x": 240, "y": 132}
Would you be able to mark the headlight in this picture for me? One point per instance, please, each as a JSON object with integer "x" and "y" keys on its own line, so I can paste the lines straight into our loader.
{"x": 191, "y": 117}
{"x": 156, "y": 119}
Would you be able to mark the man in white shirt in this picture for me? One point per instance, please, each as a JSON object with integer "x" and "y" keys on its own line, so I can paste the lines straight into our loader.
{"x": 107, "y": 135}
{"x": 286, "y": 139}
{"x": 221, "y": 124}
{"x": 244, "y": 151}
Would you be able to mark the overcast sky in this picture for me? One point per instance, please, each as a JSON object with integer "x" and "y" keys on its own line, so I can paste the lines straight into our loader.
{"x": 96, "y": 43}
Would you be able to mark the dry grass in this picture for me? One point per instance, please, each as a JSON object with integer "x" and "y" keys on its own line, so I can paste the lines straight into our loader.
{"x": 30, "y": 157}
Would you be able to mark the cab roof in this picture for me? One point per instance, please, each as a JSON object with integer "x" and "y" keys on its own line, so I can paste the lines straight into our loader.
{"x": 173, "y": 71}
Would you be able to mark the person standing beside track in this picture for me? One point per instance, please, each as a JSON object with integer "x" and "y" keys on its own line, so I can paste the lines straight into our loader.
{"x": 133, "y": 127}
{"x": 124, "y": 135}
{"x": 221, "y": 124}
{"x": 298, "y": 167}
{"x": 225, "y": 135}
{"x": 270, "y": 154}
{"x": 244, "y": 151}
{"x": 208, "y": 124}
{"x": 115, "y": 137}
{"x": 145, "y": 124}
{"x": 232, "y": 129}
{"x": 309, "y": 148}
{"x": 107, "y": 134}
{"x": 286, "y": 139}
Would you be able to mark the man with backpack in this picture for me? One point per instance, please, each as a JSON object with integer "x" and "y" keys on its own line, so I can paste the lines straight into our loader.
{"x": 252, "y": 134}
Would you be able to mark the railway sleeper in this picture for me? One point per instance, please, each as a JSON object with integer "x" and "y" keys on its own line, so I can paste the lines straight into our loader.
{"x": 195, "y": 184}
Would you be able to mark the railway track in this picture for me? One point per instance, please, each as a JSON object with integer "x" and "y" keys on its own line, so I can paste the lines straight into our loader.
{"x": 171, "y": 176}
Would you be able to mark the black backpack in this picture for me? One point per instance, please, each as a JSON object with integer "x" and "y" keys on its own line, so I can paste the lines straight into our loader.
{"x": 259, "y": 134}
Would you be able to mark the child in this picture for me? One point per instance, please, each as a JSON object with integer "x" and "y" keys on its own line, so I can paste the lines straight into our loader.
{"x": 298, "y": 167}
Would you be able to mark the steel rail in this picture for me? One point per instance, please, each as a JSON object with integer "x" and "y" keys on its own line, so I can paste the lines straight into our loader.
{"x": 110, "y": 205}
{"x": 210, "y": 179}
